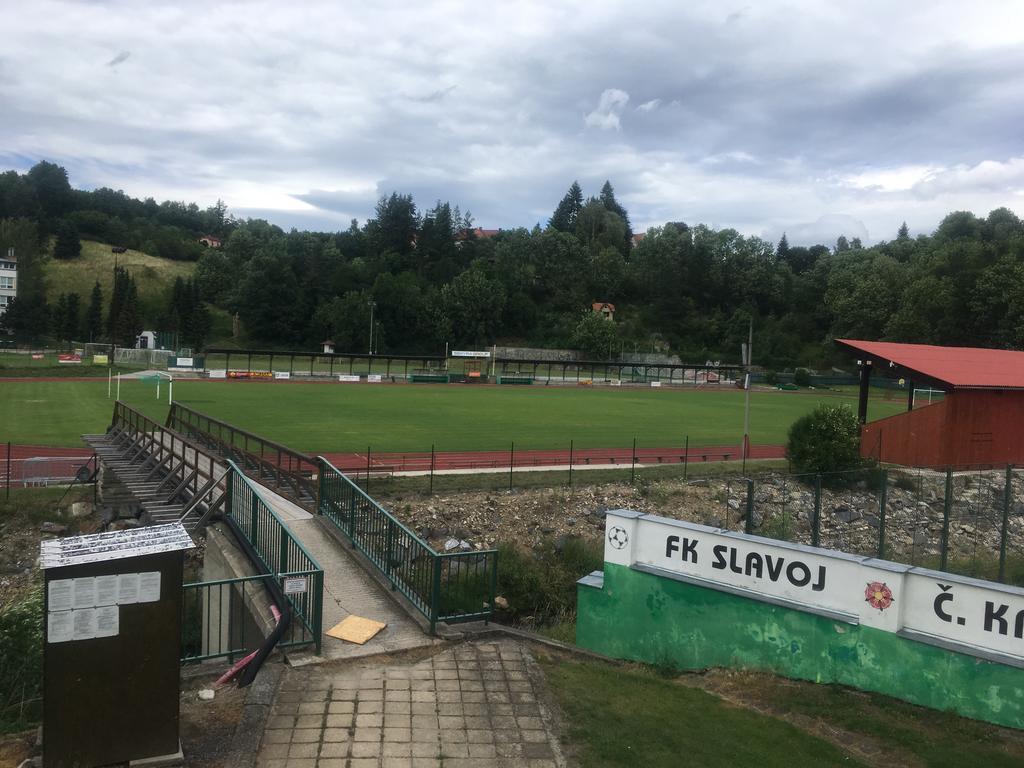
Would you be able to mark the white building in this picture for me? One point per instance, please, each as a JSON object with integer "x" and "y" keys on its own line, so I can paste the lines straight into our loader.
{"x": 8, "y": 279}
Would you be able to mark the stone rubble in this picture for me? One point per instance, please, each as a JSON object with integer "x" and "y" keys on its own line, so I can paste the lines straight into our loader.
{"x": 783, "y": 507}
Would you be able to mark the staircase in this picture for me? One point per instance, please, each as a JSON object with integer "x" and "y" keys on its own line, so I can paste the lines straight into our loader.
{"x": 157, "y": 474}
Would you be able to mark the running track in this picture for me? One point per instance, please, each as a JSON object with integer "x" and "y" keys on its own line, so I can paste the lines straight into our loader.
{"x": 479, "y": 460}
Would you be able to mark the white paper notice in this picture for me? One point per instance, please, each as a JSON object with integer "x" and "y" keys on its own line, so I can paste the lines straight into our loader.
{"x": 106, "y": 590}
{"x": 149, "y": 587}
{"x": 107, "y": 621}
{"x": 61, "y": 595}
{"x": 59, "y": 626}
{"x": 84, "y": 624}
{"x": 127, "y": 588}
{"x": 85, "y": 592}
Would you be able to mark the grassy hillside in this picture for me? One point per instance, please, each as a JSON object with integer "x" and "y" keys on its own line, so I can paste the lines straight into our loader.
{"x": 153, "y": 276}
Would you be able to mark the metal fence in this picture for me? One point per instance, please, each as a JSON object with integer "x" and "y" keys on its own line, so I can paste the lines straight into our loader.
{"x": 969, "y": 522}
{"x": 449, "y": 587}
{"x": 41, "y": 471}
{"x": 218, "y": 613}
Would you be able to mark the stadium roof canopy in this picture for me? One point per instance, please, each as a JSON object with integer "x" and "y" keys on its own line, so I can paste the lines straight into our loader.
{"x": 948, "y": 367}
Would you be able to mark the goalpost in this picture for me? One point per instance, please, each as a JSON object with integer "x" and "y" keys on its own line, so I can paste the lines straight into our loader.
{"x": 930, "y": 392}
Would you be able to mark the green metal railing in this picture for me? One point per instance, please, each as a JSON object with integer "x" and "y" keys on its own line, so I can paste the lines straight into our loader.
{"x": 218, "y": 615}
{"x": 448, "y": 587}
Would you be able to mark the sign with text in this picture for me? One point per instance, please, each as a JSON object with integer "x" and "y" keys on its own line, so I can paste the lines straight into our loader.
{"x": 373, "y": 378}
{"x": 470, "y": 353}
{"x": 348, "y": 378}
{"x": 218, "y": 373}
{"x": 74, "y": 359}
{"x": 282, "y": 375}
{"x": 100, "y": 359}
{"x": 968, "y": 615}
{"x": 296, "y": 585}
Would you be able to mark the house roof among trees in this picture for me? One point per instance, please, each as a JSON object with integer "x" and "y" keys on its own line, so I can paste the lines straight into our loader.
{"x": 954, "y": 367}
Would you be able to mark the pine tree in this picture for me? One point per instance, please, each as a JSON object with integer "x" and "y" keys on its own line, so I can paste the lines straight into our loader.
{"x": 611, "y": 204}
{"x": 842, "y": 244}
{"x": 782, "y": 252}
{"x": 68, "y": 246}
{"x": 72, "y": 317}
{"x": 59, "y": 317}
{"x": 94, "y": 316}
{"x": 904, "y": 233}
{"x": 564, "y": 217}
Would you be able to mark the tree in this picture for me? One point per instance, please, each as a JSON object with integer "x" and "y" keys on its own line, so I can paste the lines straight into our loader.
{"x": 52, "y": 189}
{"x": 124, "y": 320}
{"x": 782, "y": 250}
{"x": 842, "y": 244}
{"x": 904, "y": 233}
{"x": 564, "y": 217}
{"x": 824, "y": 441}
{"x": 595, "y": 337}
{"x": 94, "y": 315}
{"x": 472, "y": 303}
{"x": 28, "y": 315}
{"x": 68, "y": 246}
{"x": 612, "y": 205}
{"x": 394, "y": 225}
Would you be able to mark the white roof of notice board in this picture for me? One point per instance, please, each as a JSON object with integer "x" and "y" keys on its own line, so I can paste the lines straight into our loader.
{"x": 113, "y": 545}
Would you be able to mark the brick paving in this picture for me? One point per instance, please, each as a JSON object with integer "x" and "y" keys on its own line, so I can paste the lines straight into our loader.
{"x": 479, "y": 705}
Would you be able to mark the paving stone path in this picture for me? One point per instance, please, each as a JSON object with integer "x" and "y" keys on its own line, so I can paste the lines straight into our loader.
{"x": 479, "y": 705}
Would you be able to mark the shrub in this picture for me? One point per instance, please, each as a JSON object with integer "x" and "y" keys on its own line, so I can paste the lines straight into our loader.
{"x": 541, "y": 583}
{"x": 771, "y": 377}
{"x": 21, "y": 661}
{"x": 825, "y": 440}
{"x": 802, "y": 377}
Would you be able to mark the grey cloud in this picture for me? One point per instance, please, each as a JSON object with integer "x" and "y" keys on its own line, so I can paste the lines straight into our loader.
{"x": 758, "y": 125}
{"x": 119, "y": 59}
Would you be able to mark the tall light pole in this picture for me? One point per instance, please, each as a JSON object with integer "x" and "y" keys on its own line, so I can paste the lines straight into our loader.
{"x": 748, "y": 355}
{"x": 372, "y": 305}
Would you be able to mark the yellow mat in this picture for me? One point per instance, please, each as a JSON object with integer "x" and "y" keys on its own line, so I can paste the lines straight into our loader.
{"x": 356, "y": 629}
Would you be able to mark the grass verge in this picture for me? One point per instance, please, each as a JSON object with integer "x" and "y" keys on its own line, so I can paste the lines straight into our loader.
{"x": 620, "y": 717}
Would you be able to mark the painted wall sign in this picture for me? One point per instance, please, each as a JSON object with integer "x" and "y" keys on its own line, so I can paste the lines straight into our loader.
{"x": 973, "y": 616}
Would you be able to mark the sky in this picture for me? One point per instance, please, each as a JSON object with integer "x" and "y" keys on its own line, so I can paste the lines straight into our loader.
{"x": 811, "y": 118}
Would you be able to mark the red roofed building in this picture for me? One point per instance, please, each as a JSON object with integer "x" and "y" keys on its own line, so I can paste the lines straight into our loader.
{"x": 603, "y": 308}
{"x": 481, "y": 234}
{"x": 210, "y": 241}
{"x": 978, "y": 423}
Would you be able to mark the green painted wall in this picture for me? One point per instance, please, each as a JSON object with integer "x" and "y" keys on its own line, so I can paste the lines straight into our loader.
{"x": 656, "y": 620}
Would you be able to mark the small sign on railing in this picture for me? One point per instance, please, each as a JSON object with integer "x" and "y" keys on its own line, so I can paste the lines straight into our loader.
{"x": 298, "y": 585}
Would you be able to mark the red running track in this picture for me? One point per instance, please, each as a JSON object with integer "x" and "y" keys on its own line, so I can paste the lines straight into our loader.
{"x": 40, "y": 464}
{"x": 420, "y": 462}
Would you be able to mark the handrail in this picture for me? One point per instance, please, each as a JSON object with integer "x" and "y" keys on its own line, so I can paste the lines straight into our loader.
{"x": 291, "y": 473}
{"x": 447, "y": 587}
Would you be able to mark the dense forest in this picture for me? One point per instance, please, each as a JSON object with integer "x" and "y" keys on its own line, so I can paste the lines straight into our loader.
{"x": 432, "y": 278}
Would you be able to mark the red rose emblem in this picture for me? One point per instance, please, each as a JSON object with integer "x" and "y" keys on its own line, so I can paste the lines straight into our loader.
{"x": 878, "y": 595}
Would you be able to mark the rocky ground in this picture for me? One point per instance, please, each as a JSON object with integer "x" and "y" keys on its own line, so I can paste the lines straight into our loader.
{"x": 782, "y": 508}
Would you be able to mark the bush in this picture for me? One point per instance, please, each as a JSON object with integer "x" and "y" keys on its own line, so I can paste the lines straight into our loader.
{"x": 825, "y": 440}
{"x": 21, "y": 662}
{"x": 802, "y": 377}
{"x": 771, "y": 377}
{"x": 541, "y": 584}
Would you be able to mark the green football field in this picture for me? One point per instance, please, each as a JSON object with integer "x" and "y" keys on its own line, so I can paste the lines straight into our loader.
{"x": 349, "y": 417}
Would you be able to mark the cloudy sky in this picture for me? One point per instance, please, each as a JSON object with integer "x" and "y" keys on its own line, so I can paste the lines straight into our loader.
{"x": 814, "y": 118}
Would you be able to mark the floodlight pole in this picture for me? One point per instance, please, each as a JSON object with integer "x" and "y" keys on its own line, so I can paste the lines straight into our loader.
{"x": 748, "y": 354}
{"x": 372, "y": 305}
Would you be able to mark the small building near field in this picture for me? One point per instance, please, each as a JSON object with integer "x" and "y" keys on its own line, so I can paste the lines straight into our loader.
{"x": 328, "y": 347}
{"x": 604, "y": 309}
{"x": 210, "y": 241}
{"x": 979, "y": 422}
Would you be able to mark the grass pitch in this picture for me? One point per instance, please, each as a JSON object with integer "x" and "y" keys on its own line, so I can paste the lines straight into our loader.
{"x": 349, "y": 417}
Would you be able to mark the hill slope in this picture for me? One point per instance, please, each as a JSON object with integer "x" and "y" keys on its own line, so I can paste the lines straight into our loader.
{"x": 154, "y": 276}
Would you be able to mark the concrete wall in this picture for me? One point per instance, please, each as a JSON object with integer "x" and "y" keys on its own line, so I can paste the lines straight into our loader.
{"x": 657, "y": 620}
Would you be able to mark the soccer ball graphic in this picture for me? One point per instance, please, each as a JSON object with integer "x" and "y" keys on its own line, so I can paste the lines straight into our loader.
{"x": 618, "y": 537}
